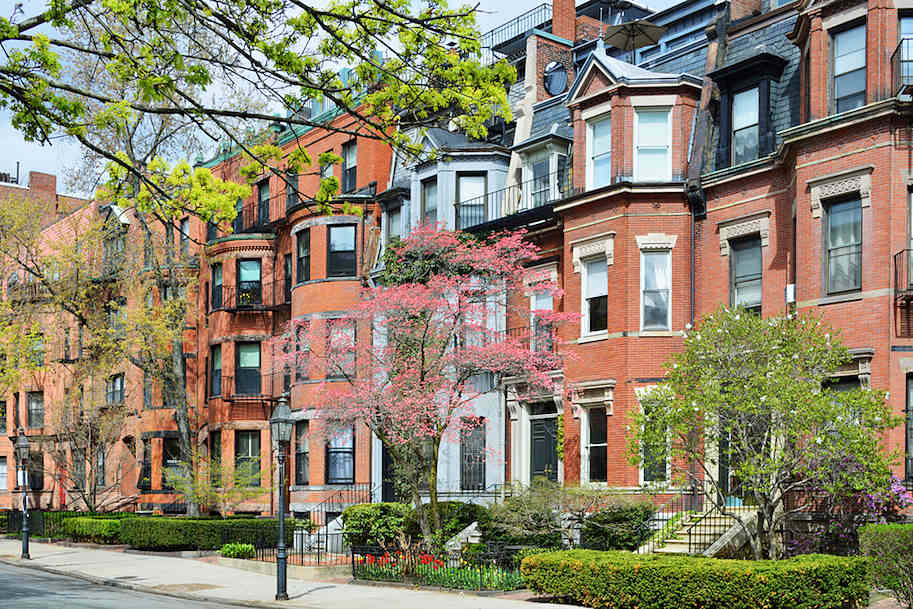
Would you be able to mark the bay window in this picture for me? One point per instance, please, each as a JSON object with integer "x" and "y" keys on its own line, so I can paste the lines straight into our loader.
{"x": 745, "y": 273}
{"x": 247, "y": 369}
{"x": 341, "y": 260}
{"x": 844, "y": 246}
{"x": 596, "y": 444}
{"x": 429, "y": 201}
{"x": 303, "y": 264}
{"x": 215, "y": 370}
{"x": 302, "y": 453}
{"x": 471, "y": 190}
{"x": 599, "y": 152}
{"x": 596, "y": 296}
{"x": 656, "y": 284}
{"x": 247, "y": 455}
{"x": 216, "y": 297}
{"x": 263, "y": 202}
{"x": 652, "y": 145}
{"x": 250, "y": 289}
{"x": 340, "y": 457}
{"x": 349, "y": 162}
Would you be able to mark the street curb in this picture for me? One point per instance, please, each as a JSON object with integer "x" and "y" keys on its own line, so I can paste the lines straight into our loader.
{"x": 103, "y": 581}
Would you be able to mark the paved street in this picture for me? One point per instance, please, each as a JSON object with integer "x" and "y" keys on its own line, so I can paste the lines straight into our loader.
{"x": 31, "y": 589}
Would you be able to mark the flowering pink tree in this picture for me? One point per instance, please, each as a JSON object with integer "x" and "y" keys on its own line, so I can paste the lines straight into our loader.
{"x": 407, "y": 360}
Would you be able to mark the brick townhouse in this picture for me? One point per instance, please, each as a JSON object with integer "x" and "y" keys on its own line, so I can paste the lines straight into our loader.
{"x": 757, "y": 155}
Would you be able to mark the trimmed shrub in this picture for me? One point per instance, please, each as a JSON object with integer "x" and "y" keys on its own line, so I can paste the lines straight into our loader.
{"x": 237, "y": 550}
{"x": 622, "y": 526}
{"x": 95, "y": 530}
{"x": 890, "y": 547}
{"x": 455, "y": 516}
{"x": 201, "y": 534}
{"x": 374, "y": 524}
{"x": 622, "y": 580}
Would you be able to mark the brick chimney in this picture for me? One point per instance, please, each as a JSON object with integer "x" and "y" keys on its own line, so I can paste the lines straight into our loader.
{"x": 43, "y": 184}
{"x": 564, "y": 19}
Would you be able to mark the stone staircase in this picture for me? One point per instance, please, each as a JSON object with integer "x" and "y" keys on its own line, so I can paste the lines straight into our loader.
{"x": 697, "y": 532}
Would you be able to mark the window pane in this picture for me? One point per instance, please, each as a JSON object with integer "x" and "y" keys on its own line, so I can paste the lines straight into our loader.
{"x": 471, "y": 187}
{"x": 849, "y": 50}
{"x": 216, "y": 274}
{"x": 849, "y": 83}
{"x": 217, "y": 357}
{"x": 598, "y": 463}
{"x": 249, "y": 270}
{"x": 844, "y": 224}
{"x": 656, "y": 270}
{"x": 652, "y": 129}
{"x": 349, "y": 158}
{"x": 746, "y": 257}
{"x": 602, "y": 170}
{"x": 598, "y": 313}
{"x": 343, "y": 438}
{"x": 429, "y": 200}
{"x": 906, "y": 27}
{"x": 748, "y": 294}
{"x": 602, "y": 137}
{"x": 342, "y": 238}
{"x": 248, "y": 355}
{"x": 745, "y": 145}
{"x": 542, "y": 301}
{"x": 394, "y": 223}
{"x": 596, "y": 278}
{"x": 652, "y": 164}
{"x": 597, "y": 420}
{"x": 656, "y": 309}
{"x": 745, "y": 109}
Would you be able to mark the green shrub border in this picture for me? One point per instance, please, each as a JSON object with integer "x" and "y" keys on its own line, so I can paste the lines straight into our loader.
{"x": 623, "y": 580}
{"x": 890, "y": 550}
{"x": 164, "y": 534}
{"x": 94, "y": 530}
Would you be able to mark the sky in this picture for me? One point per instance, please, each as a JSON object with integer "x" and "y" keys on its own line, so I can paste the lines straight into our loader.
{"x": 61, "y": 153}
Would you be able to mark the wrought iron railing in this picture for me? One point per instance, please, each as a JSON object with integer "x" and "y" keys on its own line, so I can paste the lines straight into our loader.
{"x": 902, "y": 66}
{"x": 517, "y": 198}
{"x": 903, "y": 293}
{"x": 672, "y": 515}
{"x": 248, "y": 296}
{"x": 541, "y": 339}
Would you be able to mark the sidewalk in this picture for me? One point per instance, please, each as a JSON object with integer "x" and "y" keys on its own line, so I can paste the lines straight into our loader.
{"x": 199, "y": 580}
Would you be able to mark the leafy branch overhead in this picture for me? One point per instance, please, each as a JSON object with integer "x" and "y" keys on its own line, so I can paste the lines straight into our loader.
{"x": 392, "y": 66}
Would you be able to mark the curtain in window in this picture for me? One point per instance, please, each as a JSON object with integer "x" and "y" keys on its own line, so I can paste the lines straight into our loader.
{"x": 341, "y": 457}
{"x": 745, "y": 126}
{"x": 746, "y": 271}
{"x": 471, "y": 189}
{"x": 844, "y": 246}
{"x": 656, "y": 282}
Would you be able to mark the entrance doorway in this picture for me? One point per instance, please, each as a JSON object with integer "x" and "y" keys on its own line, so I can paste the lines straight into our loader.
{"x": 543, "y": 429}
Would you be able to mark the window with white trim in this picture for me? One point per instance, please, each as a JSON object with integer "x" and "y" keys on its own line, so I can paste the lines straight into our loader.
{"x": 340, "y": 457}
{"x": 541, "y": 329}
{"x": 599, "y": 152}
{"x": 655, "y": 285}
{"x": 652, "y": 145}
{"x": 595, "y": 315}
{"x": 654, "y": 466}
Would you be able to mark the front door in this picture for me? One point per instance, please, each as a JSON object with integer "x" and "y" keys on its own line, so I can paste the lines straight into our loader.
{"x": 544, "y": 443}
{"x": 387, "y": 485}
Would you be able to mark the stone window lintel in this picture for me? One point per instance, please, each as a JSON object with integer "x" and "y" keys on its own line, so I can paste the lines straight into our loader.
{"x": 746, "y": 225}
{"x": 857, "y": 180}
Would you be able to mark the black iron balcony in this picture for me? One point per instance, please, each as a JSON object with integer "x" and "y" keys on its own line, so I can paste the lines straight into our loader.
{"x": 541, "y": 339}
{"x": 249, "y": 296}
{"x": 902, "y": 67}
{"x": 537, "y": 192}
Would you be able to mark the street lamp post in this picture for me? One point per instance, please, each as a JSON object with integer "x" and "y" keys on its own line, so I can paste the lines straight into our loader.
{"x": 280, "y": 424}
{"x": 22, "y": 456}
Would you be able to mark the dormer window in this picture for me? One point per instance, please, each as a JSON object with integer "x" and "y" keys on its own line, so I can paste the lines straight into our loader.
{"x": 652, "y": 145}
{"x": 599, "y": 152}
{"x": 745, "y": 126}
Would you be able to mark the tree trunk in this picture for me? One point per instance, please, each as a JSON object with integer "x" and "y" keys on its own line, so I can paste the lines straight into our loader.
{"x": 432, "y": 490}
{"x": 422, "y": 514}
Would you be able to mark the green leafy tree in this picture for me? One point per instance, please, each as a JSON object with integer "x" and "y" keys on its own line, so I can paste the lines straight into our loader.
{"x": 746, "y": 408}
{"x": 207, "y": 480}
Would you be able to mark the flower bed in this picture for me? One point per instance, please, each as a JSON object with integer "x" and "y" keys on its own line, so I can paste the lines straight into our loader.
{"x": 435, "y": 569}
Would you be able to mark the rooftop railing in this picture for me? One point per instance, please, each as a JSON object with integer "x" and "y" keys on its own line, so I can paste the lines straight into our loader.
{"x": 494, "y": 41}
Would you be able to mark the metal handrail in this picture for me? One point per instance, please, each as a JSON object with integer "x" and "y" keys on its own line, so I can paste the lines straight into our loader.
{"x": 518, "y": 26}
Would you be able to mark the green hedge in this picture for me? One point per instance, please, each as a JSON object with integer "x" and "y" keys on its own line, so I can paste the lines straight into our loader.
{"x": 374, "y": 524}
{"x": 95, "y": 530}
{"x": 622, "y": 580}
{"x": 622, "y": 526}
{"x": 201, "y": 534}
{"x": 890, "y": 547}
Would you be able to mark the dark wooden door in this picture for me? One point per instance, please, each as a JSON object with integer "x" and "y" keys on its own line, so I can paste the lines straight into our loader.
{"x": 544, "y": 444}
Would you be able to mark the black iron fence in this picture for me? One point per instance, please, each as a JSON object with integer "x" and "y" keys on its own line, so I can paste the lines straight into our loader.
{"x": 475, "y": 567}
{"x": 673, "y": 515}
{"x": 305, "y": 547}
{"x": 249, "y": 296}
